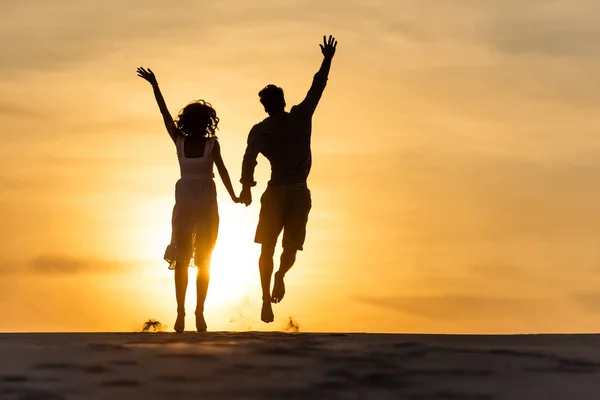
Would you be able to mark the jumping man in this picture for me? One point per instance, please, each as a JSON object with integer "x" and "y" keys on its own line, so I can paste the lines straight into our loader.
{"x": 284, "y": 139}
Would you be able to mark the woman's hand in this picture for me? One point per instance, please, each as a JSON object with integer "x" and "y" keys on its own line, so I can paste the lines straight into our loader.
{"x": 246, "y": 195}
{"x": 147, "y": 75}
{"x": 236, "y": 199}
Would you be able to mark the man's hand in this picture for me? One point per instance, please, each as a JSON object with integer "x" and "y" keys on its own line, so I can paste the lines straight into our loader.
{"x": 147, "y": 75}
{"x": 246, "y": 196}
{"x": 328, "y": 47}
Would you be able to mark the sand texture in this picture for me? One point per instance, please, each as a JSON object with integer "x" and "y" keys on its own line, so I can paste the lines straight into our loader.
{"x": 297, "y": 366}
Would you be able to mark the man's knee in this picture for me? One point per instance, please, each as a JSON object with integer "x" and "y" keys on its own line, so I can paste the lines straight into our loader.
{"x": 289, "y": 253}
{"x": 267, "y": 251}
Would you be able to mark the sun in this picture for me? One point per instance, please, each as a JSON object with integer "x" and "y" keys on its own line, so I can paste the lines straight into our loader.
{"x": 234, "y": 277}
{"x": 234, "y": 266}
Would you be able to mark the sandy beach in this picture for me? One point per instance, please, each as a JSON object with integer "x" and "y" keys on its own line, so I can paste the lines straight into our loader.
{"x": 222, "y": 365}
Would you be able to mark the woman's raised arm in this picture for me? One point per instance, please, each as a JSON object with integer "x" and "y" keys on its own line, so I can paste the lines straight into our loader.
{"x": 149, "y": 76}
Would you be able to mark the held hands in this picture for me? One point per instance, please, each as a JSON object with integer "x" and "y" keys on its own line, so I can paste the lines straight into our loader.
{"x": 147, "y": 75}
{"x": 246, "y": 196}
{"x": 328, "y": 47}
{"x": 236, "y": 199}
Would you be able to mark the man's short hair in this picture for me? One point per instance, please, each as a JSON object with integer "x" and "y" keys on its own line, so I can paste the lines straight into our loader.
{"x": 272, "y": 98}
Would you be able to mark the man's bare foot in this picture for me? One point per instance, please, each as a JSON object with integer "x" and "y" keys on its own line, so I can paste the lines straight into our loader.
{"x": 200, "y": 322}
{"x": 180, "y": 322}
{"x": 266, "y": 314}
{"x": 278, "y": 288}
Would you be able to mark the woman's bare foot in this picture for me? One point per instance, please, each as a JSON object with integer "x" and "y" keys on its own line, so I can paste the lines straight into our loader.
{"x": 266, "y": 314}
{"x": 200, "y": 322}
{"x": 278, "y": 288}
{"x": 180, "y": 322}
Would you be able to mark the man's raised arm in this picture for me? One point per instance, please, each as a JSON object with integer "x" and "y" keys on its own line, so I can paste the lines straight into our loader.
{"x": 309, "y": 104}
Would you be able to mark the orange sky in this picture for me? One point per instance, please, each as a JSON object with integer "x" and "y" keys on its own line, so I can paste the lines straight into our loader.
{"x": 455, "y": 177}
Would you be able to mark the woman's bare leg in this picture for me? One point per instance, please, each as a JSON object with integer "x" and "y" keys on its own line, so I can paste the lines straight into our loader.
{"x": 181, "y": 283}
{"x": 203, "y": 259}
{"x": 202, "y": 280}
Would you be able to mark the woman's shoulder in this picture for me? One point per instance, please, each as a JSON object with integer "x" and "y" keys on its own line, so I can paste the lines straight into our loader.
{"x": 180, "y": 137}
{"x": 214, "y": 143}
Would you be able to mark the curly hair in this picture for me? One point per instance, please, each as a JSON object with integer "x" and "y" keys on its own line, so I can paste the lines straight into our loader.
{"x": 198, "y": 118}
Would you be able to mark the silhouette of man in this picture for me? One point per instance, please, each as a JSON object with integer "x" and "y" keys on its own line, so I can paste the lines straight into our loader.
{"x": 284, "y": 139}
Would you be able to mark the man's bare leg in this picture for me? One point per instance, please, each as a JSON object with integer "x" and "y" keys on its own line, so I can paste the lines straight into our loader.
{"x": 265, "y": 264}
{"x": 288, "y": 257}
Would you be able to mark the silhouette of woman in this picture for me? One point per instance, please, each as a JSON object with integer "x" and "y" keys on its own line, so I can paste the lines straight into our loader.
{"x": 195, "y": 221}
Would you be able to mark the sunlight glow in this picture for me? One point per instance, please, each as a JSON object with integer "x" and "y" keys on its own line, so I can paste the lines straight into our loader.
{"x": 234, "y": 267}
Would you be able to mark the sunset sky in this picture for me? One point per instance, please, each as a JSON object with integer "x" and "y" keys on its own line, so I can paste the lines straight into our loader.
{"x": 456, "y": 174}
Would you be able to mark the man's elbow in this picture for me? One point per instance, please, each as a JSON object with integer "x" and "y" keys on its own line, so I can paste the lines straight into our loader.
{"x": 321, "y": 76}
{"x": 249, "y": 162}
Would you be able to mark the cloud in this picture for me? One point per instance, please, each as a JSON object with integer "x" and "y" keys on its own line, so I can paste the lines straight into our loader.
{"x": 563, "y": 28}
{"x": 469, "y": 196}
{"x": 588, "y": 301}
{"x": 465, "y": 132}
{"x": 551, "y": 28}
{"x": 46, "y": 36}
{"x": 50, "y": 36}
{"x": 503, "y": 272}
{"x": 14, "y": 110}
{"x": 8, "y": 266}
{"x": 458, "y": 307}
{"x": 56, "y": 264}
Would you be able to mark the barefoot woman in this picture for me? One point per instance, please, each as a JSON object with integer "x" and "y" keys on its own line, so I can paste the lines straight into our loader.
{"x": 195, "y": 215}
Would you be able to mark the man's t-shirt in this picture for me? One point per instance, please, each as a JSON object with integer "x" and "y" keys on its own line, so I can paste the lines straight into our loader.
{"x": 284, "y": 139}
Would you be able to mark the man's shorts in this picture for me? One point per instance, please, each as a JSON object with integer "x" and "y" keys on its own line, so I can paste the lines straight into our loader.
{"x": 287, "y": 208}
